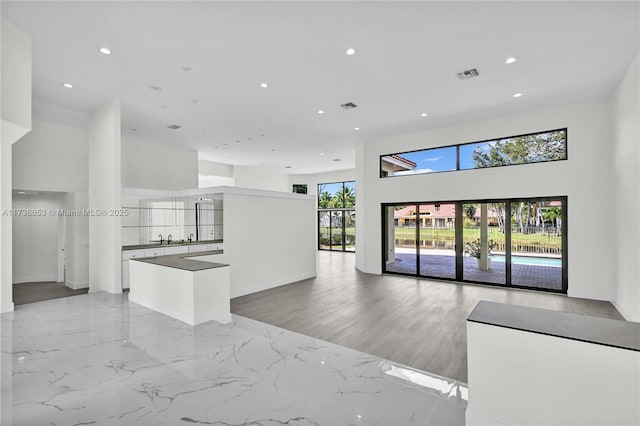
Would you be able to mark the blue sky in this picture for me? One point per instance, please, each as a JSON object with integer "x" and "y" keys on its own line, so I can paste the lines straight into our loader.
{"x": 443, "y": 159}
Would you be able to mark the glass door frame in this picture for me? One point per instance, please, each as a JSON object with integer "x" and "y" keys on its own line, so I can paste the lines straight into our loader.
{"x": 459, "y": 245}
{"x": 344, "y": 211}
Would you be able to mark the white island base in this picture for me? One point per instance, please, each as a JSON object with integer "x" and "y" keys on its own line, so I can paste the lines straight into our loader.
{"x": 192, "y": 296}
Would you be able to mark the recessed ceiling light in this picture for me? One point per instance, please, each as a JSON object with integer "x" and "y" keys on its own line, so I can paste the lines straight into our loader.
{"x": 336, "y": 159}
{"x": 21, "y": 192}
{"x": 186, "y": 69}
{"x": 196, "y": 101}
{"x": 164, "y": 107}
{"x": 68, "y": 85}
{"x": 424, "y": 114}
{"x": 133, "y": 129}
{"x": 356, "y": 129}
{"x": 320, "y": 111}
{"x": 350, "y": 51}
{"x": 206, "y": 133}
{"x": 287, "y": 167}
{"x": 322, "y": 153}
{"x": 264, "y": 85}
{"x": 510, "y": 60}
{"x": 173, "y": 126}
{"x": 517, "y": 95}
{"x": 104, "y": 51}
{"x": 273, "y": 150}
{"x": 156, "y": 88}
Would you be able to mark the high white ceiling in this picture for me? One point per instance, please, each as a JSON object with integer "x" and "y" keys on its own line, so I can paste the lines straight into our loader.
{"x": 408, "y": 55}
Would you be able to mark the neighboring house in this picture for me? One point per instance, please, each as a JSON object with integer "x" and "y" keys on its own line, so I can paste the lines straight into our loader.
{"x": 430, "y": 215}
{"x": 392, "y": 164}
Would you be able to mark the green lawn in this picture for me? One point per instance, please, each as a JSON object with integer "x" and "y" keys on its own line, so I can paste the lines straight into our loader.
{"x": 517, "y": 239}
{"x": 533, "y": 242}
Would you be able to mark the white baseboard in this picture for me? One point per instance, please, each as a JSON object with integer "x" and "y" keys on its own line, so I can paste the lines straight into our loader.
{"x": 181, "y": 316}
{"x": 35, "y": 279}
{"x": 7, "y": 307}
{"x": 473, "y": 419}
{"x": 237, "y": 292}
{"x": 624, "y": 311}
{"x": 76, "y": 286}
{"x": 593, "y": 295}
{"x": 375, "y": 271}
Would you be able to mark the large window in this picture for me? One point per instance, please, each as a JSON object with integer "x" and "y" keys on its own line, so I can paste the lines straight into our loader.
{"x": 522, "y": 149}
{"x": 337, "y": 216}
{"x": 509, "y": 242}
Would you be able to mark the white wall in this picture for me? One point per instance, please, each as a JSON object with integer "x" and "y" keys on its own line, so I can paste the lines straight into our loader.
{"x": 312, "y": 180}
{"x": 15, "y": 117}
{"x": 258, "y": 177}
{"x": 35, "y": 242}
{"x": 263, "y": 243}
{"x": 15, "y": 81}
{"x": 626, "y": 174}
{"x": 105, "y": 188}
{"x": 52, "y": 157}
{"x": 156, "y": 166}
{"x": 77, "y": 242}
{"x": 586, "y": 179}
{"x": 214, "y": 174}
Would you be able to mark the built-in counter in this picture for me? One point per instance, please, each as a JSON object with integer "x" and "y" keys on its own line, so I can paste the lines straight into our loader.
{"x": 140, "y": 251}
{"x": 529, "y": 366}
{"x": 182, "y": 286}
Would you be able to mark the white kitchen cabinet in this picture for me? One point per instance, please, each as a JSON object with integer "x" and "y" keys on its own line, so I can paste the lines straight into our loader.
{"x": 132, "y": 254}
{"x": 125, "y": 274}
{"x": 154, "y": 252}
{"x": 197, "y": 247}
{"x": 215, "y": 246}
{"x": 176, "y": 250}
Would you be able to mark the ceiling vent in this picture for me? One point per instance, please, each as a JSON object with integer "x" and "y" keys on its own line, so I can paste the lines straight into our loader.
{"x": 349, "y": 105}
{"x": 173, "y": 126}
{"x": 465, "y": 75}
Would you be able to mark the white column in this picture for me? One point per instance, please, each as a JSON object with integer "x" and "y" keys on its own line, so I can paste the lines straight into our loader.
{"x": 15, "y": 110}
{"x": 484, "y": 240}
{"x": 105, "y": 195}
{"x": 391, "y": 236}
{"x": 77, "y": 242}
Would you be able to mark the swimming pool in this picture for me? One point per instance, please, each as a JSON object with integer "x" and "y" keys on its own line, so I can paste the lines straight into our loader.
{"x": 526, "y": 260}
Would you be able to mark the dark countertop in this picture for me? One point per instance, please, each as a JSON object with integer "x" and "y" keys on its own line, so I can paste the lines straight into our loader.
{"x": 180, "y": 261}
{"x": 173, "y": 244}
{"x": 601, "y": 331}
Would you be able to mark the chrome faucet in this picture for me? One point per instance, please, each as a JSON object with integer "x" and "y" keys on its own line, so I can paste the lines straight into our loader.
{"x": 161, "y": 239}
{"x": 190, "y": 237}
{"x": 169, "y": 239}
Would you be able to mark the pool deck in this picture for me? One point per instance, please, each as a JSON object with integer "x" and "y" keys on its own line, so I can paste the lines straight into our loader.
{"x": 443, "y": 266}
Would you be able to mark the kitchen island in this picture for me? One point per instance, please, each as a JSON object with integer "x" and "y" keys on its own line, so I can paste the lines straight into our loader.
{"x": 182, "y": 286}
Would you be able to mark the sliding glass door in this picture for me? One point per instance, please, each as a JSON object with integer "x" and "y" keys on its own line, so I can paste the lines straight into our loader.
{"x": 537, "y": 237}
{"x": 508, "y": 242}
{"x": 484, "y": 232}
{"x": 436, "y": 236}
{"x": 401, "y": 254}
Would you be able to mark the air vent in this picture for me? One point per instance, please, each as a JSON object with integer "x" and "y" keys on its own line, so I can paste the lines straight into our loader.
{"x": 349, "y": 105}
{"x": 465, "y": 75}
{"x": 173, "y": 126}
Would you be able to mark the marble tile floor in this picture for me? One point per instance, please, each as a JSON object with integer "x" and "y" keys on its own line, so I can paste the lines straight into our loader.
{"x": 97, "y": 359}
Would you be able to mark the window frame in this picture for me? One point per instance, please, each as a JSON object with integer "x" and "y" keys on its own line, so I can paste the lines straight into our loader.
{"x": 383, "y": 175}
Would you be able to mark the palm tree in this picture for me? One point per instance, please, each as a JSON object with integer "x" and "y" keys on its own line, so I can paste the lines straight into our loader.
{"x": 326, "y": 201}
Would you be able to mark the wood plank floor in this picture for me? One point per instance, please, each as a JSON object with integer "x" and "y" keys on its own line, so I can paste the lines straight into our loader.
{"x": 416, "y": 322}
{"x": 40, "y": 291}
